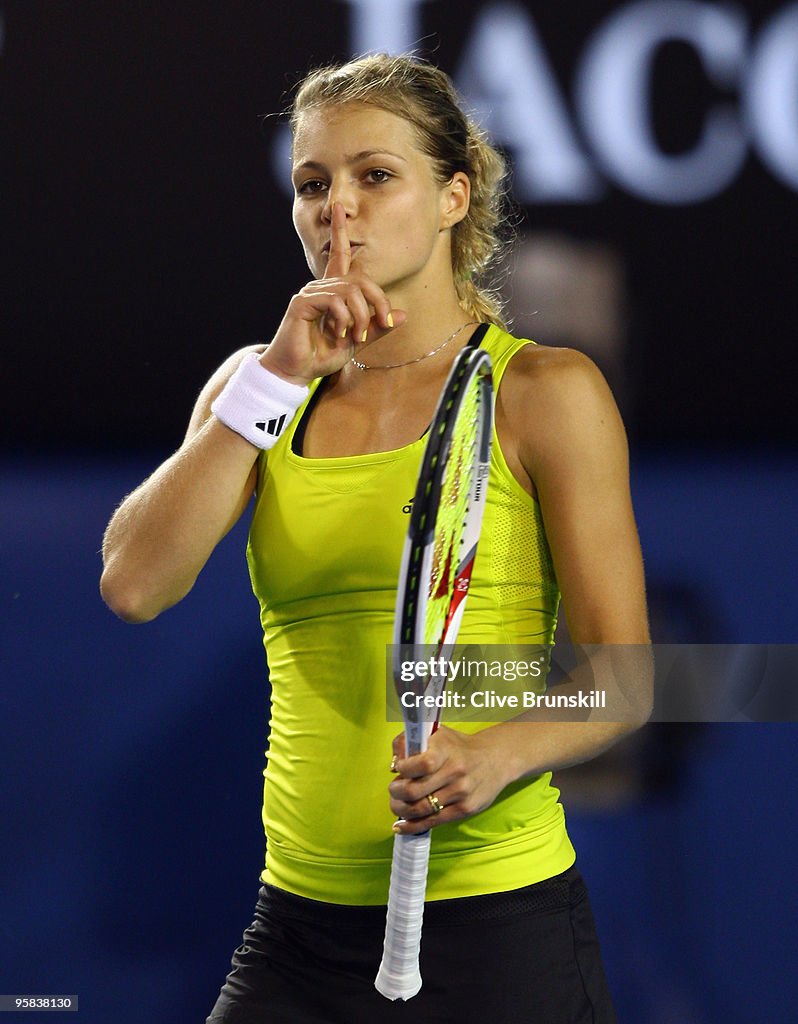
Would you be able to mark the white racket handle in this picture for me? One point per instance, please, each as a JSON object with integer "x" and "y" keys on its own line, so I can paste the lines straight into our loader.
{"x": 399, "y": 976}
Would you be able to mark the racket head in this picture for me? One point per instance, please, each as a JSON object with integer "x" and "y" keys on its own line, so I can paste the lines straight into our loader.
{"x": 445, "y": 523}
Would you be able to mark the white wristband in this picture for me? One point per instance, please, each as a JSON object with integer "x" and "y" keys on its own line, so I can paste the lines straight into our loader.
{"x": 257, "y": 404}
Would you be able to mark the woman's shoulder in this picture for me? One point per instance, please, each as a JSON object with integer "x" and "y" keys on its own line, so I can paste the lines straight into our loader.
{"x": 554, "y": 415}
{"x": 214, "y": 385}
{"x": 558, "y": 407}
{"x": 548, "y": 374}
{"x": 524, "y": 360}
{"x": 558, "y": 420}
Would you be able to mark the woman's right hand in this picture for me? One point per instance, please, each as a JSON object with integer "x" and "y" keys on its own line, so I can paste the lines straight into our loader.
{"x": 331, "y": 318}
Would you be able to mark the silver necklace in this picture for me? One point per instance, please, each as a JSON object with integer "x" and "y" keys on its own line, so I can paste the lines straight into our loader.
{"x": 395, "y": 366}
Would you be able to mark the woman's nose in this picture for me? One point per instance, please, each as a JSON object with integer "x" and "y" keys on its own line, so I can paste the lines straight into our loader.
{"x": 340, "y": 192}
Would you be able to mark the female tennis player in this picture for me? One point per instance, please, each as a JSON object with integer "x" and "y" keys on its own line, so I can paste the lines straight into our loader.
{"x": 397, "y": 202}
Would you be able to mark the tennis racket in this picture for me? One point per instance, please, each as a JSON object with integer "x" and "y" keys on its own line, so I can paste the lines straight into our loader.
{"x": 437, "y": 562}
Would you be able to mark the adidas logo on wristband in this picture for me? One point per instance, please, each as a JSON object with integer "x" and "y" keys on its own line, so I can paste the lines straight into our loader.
{"x": 250, "y": 395}
{"x": 273, "y": 427}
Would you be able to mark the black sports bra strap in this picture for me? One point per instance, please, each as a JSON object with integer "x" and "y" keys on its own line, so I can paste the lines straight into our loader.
{"x": 476, "y": 338}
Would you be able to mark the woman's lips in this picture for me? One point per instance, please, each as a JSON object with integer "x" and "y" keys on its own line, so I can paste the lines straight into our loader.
{"x": 325, "y": 249}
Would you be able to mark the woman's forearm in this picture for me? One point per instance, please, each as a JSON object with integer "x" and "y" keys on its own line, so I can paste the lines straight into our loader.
{"x": 531, "y": 748}
{"x": 163, "y": 533}
{"x": 548, "y": 738}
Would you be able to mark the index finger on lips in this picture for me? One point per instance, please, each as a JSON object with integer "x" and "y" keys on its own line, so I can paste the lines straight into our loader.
{"x": 340, "y": 252}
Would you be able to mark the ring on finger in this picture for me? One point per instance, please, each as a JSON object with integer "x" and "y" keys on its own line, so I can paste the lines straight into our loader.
{"x": 435, "y": 803}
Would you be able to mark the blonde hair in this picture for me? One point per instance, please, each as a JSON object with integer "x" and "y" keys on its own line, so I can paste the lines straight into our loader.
{"x": 425, "y": 97}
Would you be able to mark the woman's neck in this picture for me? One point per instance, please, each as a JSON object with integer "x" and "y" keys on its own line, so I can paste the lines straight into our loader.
{"x": 432, "y": 317}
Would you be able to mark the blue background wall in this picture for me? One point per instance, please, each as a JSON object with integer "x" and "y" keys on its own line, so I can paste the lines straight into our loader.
{"x": 132, "y": 758}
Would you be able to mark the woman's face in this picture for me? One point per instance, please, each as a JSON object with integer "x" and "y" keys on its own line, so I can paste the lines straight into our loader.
{"x": 368, "y": 160}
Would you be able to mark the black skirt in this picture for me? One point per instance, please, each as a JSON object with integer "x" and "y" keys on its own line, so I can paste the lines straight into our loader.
{"x": 529, "y": 956}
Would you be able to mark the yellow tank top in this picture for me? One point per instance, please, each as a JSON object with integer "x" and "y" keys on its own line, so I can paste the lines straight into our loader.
{"x": 324, "y": 551}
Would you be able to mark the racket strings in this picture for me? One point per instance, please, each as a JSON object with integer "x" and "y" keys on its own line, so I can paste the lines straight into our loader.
{"x": 450, "y": 525}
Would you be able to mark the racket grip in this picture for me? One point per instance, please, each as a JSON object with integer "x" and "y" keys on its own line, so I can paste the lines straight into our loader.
{"x": 399, "y": 976}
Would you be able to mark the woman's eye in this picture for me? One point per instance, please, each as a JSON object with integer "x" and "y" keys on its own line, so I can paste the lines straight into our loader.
{"x": 312, "y": 187}
{"x": 378, "y": 175}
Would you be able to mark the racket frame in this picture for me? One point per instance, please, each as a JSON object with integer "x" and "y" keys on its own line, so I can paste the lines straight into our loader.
{"x": 399, "y": 975}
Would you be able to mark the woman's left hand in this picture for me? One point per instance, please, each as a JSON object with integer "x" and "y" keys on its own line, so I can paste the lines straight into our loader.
{"x": 462, "y": 772}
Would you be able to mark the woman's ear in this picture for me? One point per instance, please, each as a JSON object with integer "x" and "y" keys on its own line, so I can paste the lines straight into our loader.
{"x": 455, "y": 199}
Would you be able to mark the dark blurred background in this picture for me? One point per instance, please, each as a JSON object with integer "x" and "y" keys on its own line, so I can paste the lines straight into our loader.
{"x": 146, "y": 225}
